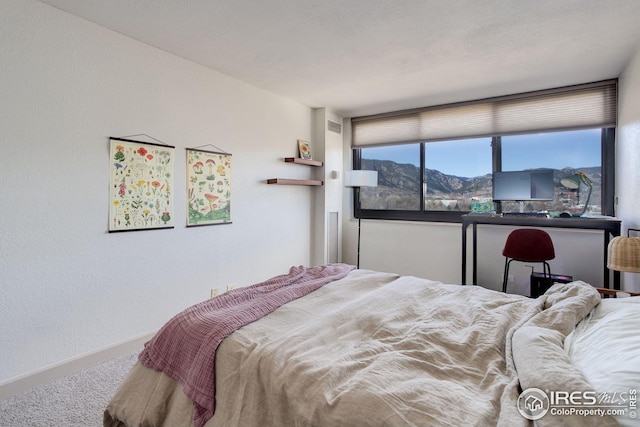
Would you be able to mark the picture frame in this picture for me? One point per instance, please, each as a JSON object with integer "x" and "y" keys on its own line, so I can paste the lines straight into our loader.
{"x": 140, "y": 185}
{"x": 208, "y": 187}
{"x": 304, "y": 148}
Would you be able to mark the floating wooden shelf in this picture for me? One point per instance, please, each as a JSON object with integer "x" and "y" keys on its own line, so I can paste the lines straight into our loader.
{"x": 300, "y": 161}
{"x": 308, "y": 182}
{"x": 286, "y": 181}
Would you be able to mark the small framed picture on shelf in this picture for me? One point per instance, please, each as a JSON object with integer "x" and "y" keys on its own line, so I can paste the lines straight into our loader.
{"x": 305, "y": 149}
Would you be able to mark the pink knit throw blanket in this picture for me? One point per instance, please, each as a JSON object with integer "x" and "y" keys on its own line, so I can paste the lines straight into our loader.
{"x": 185, "y": 347}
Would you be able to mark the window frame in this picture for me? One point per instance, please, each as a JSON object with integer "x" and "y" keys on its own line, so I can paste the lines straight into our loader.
{"x": 608, "y": 184}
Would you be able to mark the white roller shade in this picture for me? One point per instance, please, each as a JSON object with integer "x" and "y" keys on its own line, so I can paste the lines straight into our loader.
{"x": 574, "y": 107}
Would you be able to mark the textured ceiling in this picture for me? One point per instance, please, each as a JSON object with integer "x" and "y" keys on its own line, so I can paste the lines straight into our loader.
{"x": 361, "y": 57}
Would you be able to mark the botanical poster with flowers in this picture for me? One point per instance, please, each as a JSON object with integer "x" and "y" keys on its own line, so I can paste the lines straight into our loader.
{"x": 208, "y": 187}
{"x": 141, "y": 186}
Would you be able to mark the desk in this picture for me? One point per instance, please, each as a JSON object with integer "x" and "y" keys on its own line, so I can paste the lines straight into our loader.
{"x": 610, "y": 227}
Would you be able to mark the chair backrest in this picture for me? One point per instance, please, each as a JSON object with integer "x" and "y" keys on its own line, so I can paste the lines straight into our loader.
{"x": 529, "y": 245}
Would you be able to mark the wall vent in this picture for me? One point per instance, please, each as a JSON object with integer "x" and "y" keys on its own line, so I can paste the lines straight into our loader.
{"x": 334, "y": 127}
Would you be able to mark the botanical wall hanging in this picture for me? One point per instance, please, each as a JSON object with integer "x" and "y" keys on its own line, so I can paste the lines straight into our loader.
{"x": 208, "y": 187}
{"x": 141, "y": 185}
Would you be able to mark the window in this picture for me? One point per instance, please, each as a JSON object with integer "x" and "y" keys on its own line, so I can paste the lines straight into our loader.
{"x": 436, "y": 163}
{"x": 457, "y": 174}
{"x": 566, "y": 153}
{"x": 399, "y": 185}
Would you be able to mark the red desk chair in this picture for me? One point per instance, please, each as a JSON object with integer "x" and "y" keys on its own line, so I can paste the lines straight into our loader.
{"x": 527, "y": 245}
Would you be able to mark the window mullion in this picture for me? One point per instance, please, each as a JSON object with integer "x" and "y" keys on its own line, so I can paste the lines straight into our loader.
{"x": 496, "y": 158}
{"x": 496, "y": 153}
{"x": 608, "y": 184}
{"x": 423, "y": 180}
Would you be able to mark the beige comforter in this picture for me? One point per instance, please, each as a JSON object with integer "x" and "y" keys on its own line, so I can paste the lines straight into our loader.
{"x": 373, "y": 349}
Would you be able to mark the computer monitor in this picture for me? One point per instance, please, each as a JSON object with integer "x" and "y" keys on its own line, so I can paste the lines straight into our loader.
{"x": 523, "y": 185}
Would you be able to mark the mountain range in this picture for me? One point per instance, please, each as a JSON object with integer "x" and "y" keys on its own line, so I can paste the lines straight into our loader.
{"x": 402, "y": 182}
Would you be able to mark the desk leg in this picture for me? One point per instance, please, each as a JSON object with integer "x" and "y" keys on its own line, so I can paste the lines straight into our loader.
{"x": 606, "y": 273}
{"x": 475, "y": 253}
{"x": 464, "y": 253}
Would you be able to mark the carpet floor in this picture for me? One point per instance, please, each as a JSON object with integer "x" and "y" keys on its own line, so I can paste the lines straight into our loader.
{"x": 76, "y": 400}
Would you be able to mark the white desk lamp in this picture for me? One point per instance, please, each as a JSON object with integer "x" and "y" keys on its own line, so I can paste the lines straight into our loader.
{"x": 573, "y": 182}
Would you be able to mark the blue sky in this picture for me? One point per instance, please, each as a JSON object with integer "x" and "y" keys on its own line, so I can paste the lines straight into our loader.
{"x": 467, "y": 158}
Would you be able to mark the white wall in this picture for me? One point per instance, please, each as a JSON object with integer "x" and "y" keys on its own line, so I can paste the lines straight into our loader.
{"x": 434, "y": 251}
{"x": 69, "y": 287}
{"x": 628, "y": 155}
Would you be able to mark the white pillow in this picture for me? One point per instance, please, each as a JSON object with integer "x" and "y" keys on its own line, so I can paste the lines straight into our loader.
{"x": 605, "y": 346}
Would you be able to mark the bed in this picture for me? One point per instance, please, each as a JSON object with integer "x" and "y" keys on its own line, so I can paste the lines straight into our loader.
{"x": 368, "y": 348}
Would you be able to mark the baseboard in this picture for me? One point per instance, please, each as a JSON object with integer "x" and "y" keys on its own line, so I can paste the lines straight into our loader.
{"x": 42, "y": 376}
